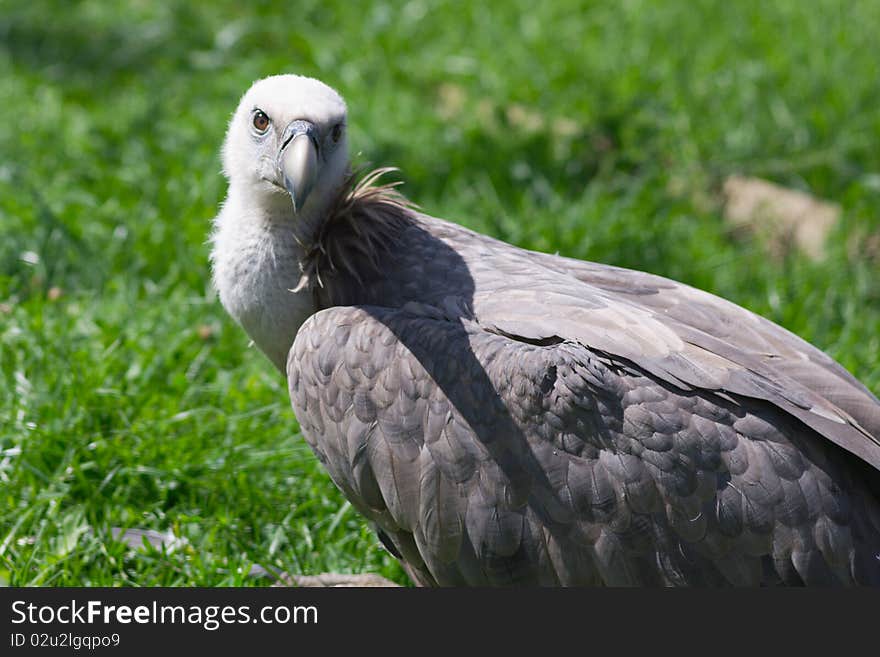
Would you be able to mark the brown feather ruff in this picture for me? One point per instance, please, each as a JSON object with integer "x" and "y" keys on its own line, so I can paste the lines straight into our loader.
{"x": 360, "y": 227}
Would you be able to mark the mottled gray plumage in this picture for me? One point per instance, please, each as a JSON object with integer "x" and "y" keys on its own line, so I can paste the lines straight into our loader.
{"x": 511, "y": 417}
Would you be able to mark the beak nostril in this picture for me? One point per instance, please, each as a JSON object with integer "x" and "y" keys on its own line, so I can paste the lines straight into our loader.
{"x": 296, "y": 128}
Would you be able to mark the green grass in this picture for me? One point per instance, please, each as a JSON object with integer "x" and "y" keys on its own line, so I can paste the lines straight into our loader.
{"x": 599, "y": 130}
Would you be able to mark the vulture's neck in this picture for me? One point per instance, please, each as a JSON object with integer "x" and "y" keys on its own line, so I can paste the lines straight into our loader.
{"x": 268, "y": 264}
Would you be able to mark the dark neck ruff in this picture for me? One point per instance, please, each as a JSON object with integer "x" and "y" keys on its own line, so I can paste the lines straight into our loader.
{"x": 360, "y": 229}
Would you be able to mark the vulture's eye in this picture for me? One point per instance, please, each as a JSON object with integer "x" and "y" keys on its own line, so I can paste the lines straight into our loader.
{"x": 336, "y": 133}
{"x": 261, "y": 121}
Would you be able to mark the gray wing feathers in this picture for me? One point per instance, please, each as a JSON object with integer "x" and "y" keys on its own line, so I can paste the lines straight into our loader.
{"x": 691, "y": 339}
{"x": 488, "y": 460}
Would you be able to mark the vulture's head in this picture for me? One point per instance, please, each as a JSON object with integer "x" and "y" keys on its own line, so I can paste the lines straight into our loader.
{"x": 286, "y": 158}
{"x": 287, "y": 144}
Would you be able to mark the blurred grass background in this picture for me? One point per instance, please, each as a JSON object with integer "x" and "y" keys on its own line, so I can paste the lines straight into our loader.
{"x": 601, "y": 130}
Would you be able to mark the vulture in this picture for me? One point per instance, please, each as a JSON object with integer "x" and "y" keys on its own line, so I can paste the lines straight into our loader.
{"x": 508, "y": 417}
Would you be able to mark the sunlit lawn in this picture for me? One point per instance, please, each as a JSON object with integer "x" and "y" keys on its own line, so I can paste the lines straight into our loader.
{"x": 128, "y": 399}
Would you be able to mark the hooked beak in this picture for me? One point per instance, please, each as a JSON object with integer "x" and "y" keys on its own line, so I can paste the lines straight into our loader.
{"x": 298, "y": 161}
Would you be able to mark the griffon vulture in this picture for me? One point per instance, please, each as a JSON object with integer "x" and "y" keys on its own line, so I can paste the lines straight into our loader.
{"x": 510, "y": 417}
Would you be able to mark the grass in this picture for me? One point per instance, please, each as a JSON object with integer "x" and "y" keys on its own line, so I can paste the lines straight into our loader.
{"x": 599, "y": 130}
